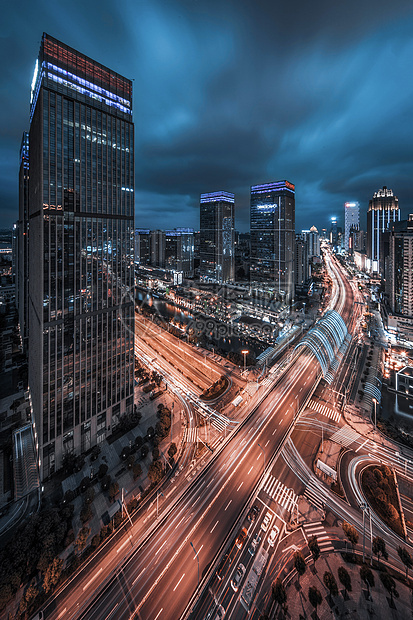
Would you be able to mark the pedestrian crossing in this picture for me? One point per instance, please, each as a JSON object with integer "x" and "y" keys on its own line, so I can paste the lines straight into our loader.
{"x": 316, "y": 529}
{"x": 324, "y": 410}
{"x": 312, "y": 493}
{"x": 345, "y": 436}
{"x": 192, "y": 434}
{"x": 281, "y": 494}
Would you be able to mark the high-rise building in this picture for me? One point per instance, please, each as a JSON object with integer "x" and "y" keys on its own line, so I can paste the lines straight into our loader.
{"x": 158, "y": 248}
{"x": 273, "y": 238}
{"x": 351, "y": 219}
{"x": 81, "y": 255}
{"x": 399, "y": 274}
{"x": 23, "y": 240}
{"x": 313, "y": 240}
{"x": 383, "y": 211}
{"x": 179, "y": 250}
{"x": 302, "y": 265}
{"x": 217, "y": 255}
{"x": 142, "y": 246}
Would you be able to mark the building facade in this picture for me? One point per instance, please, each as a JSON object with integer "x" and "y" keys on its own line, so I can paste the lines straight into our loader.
{"x": 22, "y": 283}
{"x": 217, "y": 225}
{"x": 142, "y": 246}
{"x": 81, "y": 254}
{"x": 399, "y": 270}
{"x": 179, "y": 251}
{"x": 351, "y": 219}
{"x": 273, "y": 238}
{"x": 382, "y": 212}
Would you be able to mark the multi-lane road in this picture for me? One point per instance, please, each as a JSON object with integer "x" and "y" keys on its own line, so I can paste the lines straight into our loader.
{"x": 153, "y": 575}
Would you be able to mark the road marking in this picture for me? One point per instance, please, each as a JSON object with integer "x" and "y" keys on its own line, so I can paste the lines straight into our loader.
{"x": 179, "y": 582}
{"x": 228, "y": 504}
{"x": 93, "y": 578}
{"x": 259, "y": 456}
{"x": 158, "y": 614}
{"x": 163, "y": 544}
{"x": 265, "y": 445}
{"x": 361, "y": 445}
{"x": 61, "y": 613}
{"x": 240, "y": 486}
{"x": 275, "y": 430}
{"x": 214, "y": 527}
{"x": 250, "y": 469}
{"x": 199, "y": 551}
{"x": 136, "y": 578}
{"x": 122, "y": 545}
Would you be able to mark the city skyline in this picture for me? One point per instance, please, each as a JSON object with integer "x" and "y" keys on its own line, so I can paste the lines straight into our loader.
{"x": 223, "y": 102}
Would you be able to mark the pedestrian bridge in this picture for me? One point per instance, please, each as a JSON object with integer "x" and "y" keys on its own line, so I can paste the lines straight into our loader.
{"x": 328, "y": 341}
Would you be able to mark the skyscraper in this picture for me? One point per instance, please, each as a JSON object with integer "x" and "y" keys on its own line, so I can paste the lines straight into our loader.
{"x": 399, "y": 274}
{"x": 383, "y": 211}
{"x": 217, "y": 255}
{"x": 179, "y": 250}
{"x": 351, "y": 219}
{"x": 23, "y": 240}
{"x": 81, "y": 272}
{"x": 273, "y": 238}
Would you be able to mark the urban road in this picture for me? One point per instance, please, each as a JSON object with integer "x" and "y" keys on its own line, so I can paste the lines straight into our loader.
{"x": 156, "y": 579}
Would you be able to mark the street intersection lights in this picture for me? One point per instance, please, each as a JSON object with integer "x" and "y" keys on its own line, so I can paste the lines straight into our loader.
{"x": 197, "y": 557}
{"x": 245, "y": 353}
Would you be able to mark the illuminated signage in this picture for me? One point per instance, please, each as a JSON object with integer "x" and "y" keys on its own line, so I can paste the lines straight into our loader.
{"x": 36, "y": 70}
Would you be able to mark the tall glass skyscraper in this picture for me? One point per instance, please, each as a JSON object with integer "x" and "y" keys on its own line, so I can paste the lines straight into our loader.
{"x": 217, "y": 235}
{"x": 383, "y": 211}
{"x": 81, "y": 254}
{"x": 351, "y": 219}
{"x": 273, "y": 238}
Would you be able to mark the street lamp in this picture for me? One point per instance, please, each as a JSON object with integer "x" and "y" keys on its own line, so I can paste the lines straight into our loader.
{"x": 245, "y": 353}
{"x": 197, "y": 557}
{"x": 261, "y": 448}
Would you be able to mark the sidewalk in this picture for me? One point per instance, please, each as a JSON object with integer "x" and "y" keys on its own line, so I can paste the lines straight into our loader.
{"x": 356, "y": 605}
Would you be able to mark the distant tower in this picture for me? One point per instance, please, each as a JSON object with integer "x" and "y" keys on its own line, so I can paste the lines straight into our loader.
{"x": 273, "y": 238}
{"x": 217, "y": 254}
{"x": 383, "y": 211}
{"x": 351, "y": 219}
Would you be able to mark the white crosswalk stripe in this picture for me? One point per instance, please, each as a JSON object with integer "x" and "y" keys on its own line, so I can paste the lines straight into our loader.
{"x": 315, "y": 405}
{"x": 192, "y": 435}
{"x": 316, "y": 529}
{"x": 345, "y": 436}
{"x": 281, "y": 494}
{"x": 311, "y": 493}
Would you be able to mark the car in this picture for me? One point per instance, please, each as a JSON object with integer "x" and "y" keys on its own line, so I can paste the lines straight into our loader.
{"x": 273, "y": 535}
{"x": 254, "y": 544}
{"x": 220, "y": 613}
{"x": 241, "y": 537}
{"x": 240, "y": 572}
{"x": 253, "y": 513}
{"x": 266, "y": 522}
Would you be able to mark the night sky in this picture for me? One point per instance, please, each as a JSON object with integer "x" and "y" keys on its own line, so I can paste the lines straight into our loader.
{"x": 232, "y": 93}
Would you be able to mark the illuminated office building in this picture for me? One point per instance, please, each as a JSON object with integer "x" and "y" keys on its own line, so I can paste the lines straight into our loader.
{"x": 179, "y": 251}
{"x": 81, "y": 255}
{"x": 142, "y": 246}
{"x": 217, "y": 254}
{"x": 273, "y": 238}
{"x": 22, "y": 282}
{"x": 351, "y": 220}
{"x": 383, "y": 211}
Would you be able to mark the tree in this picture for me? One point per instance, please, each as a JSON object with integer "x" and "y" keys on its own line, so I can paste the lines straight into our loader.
{"x": 155, "y": 472}
{"x": 80, "y": 542}
{"x": 86, "y": 513}
{"x": 137, "y": 470}
{"x": 279, "y": 594}
{"x": 379, "y": 548}
{"x": 314, "y": 548}
{"x": 155, "y": 454}
{"x": 299, "y": 564}
{"x": 105, "y": 482}
{"x": 406, "y": 558}
{"x": 345, "y": 579}
{"x": 52, "y": 575}
{"x": 330, "y": 583}
{"x": 315, "y": 598}
{"x": 130, "y": 461}
{"x": 172, "y": 450}
{"x": 89, "y": 495}
{"x": 367, "y": 576}
{"x": 144, "y": 451}
{"x": 390, "y": 585}
{"x": 103, "y": 470}
{"x": 351, "y": 533}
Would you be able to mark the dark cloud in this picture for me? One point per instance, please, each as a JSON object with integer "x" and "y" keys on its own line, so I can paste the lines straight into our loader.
{"x": 229, "y": 94}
